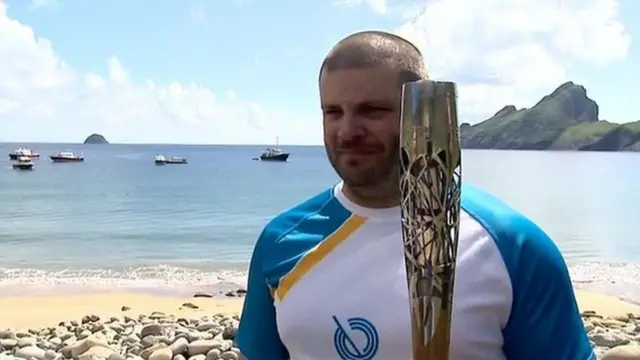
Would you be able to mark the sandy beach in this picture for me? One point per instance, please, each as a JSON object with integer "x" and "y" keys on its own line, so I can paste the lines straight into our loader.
{"x": 33, "y": 311}
{"x": 605, "y": 305}
{"x": 117, "y": 326}
{"x": 26, "y": 312}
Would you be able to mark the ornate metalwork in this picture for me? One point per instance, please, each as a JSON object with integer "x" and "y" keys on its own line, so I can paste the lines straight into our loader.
{"x": 430, "y": 187}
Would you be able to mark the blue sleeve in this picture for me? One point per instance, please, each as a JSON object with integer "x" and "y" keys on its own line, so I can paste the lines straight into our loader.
{"x": 257, "y": 336}
{"x": 545, "y": 322}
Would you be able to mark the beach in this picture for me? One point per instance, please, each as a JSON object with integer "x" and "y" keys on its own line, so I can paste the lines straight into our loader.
{"x": 22, "y": 313}
{"x": 135, "y": 326}
{"x": 118, "y": 326}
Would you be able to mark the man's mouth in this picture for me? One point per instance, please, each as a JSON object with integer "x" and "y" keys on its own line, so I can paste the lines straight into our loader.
{"x": 359, "y": 152}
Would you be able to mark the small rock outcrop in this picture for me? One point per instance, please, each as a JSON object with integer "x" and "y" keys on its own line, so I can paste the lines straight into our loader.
{"x": 505, "y": 111}
{"x": 95, "y": 139}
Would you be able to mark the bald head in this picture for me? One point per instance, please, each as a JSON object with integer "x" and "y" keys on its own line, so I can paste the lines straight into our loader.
{"x": 369, "y": 49}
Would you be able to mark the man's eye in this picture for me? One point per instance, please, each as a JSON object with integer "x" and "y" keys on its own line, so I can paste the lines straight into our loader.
{"x": 332, "y": 113}
{"x": 375, "y": 111}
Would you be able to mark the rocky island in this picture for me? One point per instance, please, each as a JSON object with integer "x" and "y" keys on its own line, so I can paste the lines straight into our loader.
{"x": 566, "y": 119}
{"x": 95, "y": 139}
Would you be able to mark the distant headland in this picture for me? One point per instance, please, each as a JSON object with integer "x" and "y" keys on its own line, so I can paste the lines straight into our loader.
{"x": 566, "y": 119}
{"x": 95, "y": 139}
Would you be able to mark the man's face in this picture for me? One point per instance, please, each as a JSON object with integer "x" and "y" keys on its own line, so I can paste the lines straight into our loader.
{"x": 361, "y": 118}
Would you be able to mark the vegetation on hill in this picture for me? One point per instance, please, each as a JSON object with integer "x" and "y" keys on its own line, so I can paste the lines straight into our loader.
{"x": 95, "y": 139}
{"x": 566, "y": 119}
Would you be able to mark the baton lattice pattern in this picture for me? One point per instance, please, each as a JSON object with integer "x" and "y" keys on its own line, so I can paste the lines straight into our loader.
{"x": 430, "y": 187}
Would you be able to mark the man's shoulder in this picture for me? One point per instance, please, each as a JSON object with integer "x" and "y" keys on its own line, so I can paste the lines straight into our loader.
{"x": 316, "y": 210}
{"x": 498, "y": 218}
{"x": 542, "y": 305}
{"x": 522, "y": 244}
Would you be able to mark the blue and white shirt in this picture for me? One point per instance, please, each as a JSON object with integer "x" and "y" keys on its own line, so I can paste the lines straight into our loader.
{"x": 327, "y": 281}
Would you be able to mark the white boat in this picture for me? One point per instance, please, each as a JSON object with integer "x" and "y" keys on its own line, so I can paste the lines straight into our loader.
{"x": 66, "y": 156}
{"x": 159, "y": 159}
{"x": 176, "y": 160}
{"x": 162, "y": 160}
{"x": 23, "y": 163}
{"x": 22, "y": 151}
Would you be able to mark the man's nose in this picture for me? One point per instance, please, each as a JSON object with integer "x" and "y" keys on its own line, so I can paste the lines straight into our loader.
{"x": 351, "y": 127}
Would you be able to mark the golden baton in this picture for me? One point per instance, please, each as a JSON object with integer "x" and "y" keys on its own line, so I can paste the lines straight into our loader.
{"x": 430, "y": 189}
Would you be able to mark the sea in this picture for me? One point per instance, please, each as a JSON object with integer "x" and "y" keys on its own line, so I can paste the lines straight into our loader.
{"x": 119, "y": 222}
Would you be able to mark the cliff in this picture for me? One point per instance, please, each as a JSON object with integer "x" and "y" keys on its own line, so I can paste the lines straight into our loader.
{"x": 566, "y": 119}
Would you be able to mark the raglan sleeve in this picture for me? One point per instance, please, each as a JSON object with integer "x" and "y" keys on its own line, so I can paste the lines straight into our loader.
{"x": 257, "y": 336}
{"x": 545, "y": 322}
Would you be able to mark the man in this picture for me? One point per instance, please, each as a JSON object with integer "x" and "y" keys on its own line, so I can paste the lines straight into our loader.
{"x": 327, "y": 277}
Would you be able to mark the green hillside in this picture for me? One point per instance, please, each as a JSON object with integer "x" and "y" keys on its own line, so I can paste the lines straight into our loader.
{"x": 566, "y": 119}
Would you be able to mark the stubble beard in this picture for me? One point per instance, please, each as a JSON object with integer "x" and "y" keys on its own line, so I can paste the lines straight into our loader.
{"x": 373, "y": 179}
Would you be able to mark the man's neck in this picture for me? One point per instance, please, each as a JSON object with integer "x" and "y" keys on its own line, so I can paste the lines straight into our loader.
{"x": 375, "y": 198}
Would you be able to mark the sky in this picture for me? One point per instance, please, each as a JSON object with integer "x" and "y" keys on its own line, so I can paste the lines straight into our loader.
{"x": 245, "y": 71}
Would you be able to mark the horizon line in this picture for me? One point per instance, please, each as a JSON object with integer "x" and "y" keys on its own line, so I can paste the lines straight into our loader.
{"x": 163, "y": 144}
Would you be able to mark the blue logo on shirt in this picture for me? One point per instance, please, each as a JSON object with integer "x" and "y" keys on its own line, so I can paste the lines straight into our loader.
{"x": 358, "y": 341}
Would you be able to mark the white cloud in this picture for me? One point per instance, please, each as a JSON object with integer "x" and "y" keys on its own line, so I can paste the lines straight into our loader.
{"x": 42, "y": 98}
{"x": 514, "y": 51}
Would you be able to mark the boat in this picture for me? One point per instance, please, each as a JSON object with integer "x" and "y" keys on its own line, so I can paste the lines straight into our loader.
{"x": 66, "y": 156}
{"x": 159, "y": 160}
{"x": 176, "y": 160}
{"x": 23, "y": 152}
{"x": 162, "y": 160}
{"x": 23, "y": 163}
{"x": 274, "y": 154}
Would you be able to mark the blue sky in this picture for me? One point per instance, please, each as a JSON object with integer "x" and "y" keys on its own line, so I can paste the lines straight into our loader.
{"x": 245, "y": 71}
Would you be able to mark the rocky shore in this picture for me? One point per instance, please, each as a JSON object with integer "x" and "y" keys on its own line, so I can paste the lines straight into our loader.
{"x": 161, "y": 336}
{"x": 614, "y": 338}
{"x": 156, "y": 336}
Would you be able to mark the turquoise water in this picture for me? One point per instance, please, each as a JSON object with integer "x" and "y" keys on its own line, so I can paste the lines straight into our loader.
{"x": 119, "y": 220}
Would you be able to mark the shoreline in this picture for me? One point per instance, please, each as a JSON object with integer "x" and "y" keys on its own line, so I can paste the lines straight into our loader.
{"x": 620, "y": 279}
{"x": 143, "y": 288}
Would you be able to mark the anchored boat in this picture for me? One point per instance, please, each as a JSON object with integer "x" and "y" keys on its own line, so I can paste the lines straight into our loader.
{"x": 66, "y": 156}
{"x": 23, "y": 163}
{"x": 273, "y": 154}
{"x": 162, "y": 160}
{"x": 23, "y": 152}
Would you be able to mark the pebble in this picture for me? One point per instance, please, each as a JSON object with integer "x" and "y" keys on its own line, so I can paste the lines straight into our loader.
{"x": 158, "y": 336}
{"x": 154, "y": 336}
{"x": 615, "y": 338}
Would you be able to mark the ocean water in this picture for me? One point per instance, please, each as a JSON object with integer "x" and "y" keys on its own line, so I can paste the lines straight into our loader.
{"x": 117, "y": 220}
